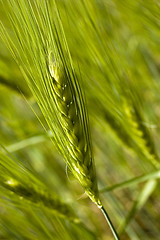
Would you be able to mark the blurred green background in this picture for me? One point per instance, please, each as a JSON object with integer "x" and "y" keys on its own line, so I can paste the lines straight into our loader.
{"x": 115, "y": 47}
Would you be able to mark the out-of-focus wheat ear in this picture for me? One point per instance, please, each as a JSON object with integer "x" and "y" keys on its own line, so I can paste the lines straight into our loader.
{"x": 22, "y": 185}
{"x": 140, "y": 133}
{"x": 134, "y": 134}
{"x": 74, "y": 126}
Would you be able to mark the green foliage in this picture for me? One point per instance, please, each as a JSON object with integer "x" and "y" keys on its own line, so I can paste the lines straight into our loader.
{"x": 63, "y": 50}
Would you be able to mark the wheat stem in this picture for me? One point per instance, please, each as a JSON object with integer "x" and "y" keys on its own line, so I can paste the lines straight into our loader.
{"x": 110, "y": 223}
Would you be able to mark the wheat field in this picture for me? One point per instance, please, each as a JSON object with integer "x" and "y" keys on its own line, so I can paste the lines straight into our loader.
{"x": 79, "y": 119}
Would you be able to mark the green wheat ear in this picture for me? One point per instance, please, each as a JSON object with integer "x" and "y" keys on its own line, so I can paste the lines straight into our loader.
{"x": 46, "y": 64}
{"x": 45, "y": 61}
{"x": 80, "y": 158}
{"x": 72, "y": 120}
{"x": 75, "y": 129}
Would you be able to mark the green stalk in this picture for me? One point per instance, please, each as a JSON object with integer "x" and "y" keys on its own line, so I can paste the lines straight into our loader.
{"x": 132, "y": 181}
{"x": 110, "y": 223}
{"x": 27, "y": 142}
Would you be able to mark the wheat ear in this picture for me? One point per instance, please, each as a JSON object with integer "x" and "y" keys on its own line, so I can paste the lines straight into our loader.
{"x": 53, "y": 82}
{"x": 80, "y": 158}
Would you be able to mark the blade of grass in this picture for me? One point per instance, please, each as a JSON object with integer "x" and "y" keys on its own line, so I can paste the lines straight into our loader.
{"x": 132, "y": 181}
{"x": 139, "y": 203}
{"x": 28, "y": 142}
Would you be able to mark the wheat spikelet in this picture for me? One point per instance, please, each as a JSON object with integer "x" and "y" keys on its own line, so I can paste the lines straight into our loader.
{"x": 80, "y": 157}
